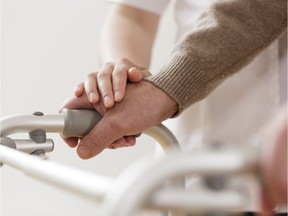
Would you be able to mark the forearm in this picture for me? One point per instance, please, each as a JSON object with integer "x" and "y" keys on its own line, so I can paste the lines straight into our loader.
{"x": 128, "y": 33}
{"x": 228, "y": 36}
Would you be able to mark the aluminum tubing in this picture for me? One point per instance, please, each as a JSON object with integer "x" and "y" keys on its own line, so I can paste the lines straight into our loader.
{"x": 29, "y": 122}
{"x": 84, "y": 183}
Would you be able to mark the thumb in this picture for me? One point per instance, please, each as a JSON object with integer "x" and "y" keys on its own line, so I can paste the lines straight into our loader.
{"x": 97, "y": 140}
{"x": 136, "y": 75}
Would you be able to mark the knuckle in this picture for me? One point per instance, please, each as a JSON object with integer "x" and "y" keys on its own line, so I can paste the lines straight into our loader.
{"x": 88, "y": 88}
{"x": 124, "y": 63}
{"x": 92, "y": 75}
{"x": 106, "y": 70}
{"x": 120, "y": 71}
{"x": 106, "y": 94}
{"x": 103, "y": 74}
{"x": 108, "y": 65}
{"x": 123, "y": 60}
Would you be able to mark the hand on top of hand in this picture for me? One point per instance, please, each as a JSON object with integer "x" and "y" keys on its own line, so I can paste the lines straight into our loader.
{"x": 137, "y": 112}
{"x": 109, "y": 83}
{"x": 101, "y": 89}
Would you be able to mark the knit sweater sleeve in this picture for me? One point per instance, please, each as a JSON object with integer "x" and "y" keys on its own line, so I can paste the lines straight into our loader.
{"x": 226, "y": 38}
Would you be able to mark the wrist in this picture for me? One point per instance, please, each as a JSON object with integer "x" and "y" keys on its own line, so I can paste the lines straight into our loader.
{"x": 168, "y": 107}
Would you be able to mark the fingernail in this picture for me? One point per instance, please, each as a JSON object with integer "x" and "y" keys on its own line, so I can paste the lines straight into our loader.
{"x": 107, "y": 101}
{"x": 77, "y": 90}
{"x": 132, "y": 68}
{"x": 113, "y": 146}
{"x": 117, "y": 96}
{"x": 92, "y": 97}
{"x": 84, "y": 152}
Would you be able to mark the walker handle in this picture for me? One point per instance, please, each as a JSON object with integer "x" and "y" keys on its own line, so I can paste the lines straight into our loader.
{"x": 79, "y": 122}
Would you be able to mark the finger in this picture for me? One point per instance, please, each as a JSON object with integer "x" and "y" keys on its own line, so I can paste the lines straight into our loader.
{"x": 136, "y": 75}
{"x": 105, "y": 84}
{"x": 91, "y": 88}
{"x": 97, "y": 140}
{"x": 71, "y": 141}
{"x": 118, "y": 143}
{"x": 119, "y": 80}
{"x": 126, "y": 141}
{"x": 79, "y": 90}
{"x": 77, "y": 103}
{"x": 130, "y": 140}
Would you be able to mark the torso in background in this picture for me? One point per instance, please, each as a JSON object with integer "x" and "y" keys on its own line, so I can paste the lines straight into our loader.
{"x": 238, "y": 108}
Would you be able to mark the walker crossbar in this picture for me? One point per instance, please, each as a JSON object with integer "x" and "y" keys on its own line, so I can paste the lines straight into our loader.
{"x": 141, "y": 185}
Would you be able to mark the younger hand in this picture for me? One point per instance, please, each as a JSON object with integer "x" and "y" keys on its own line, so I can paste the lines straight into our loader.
{"x": 110, "y": 82}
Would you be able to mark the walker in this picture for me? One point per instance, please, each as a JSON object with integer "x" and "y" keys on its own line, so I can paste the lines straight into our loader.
{"x": 147, "y": 184}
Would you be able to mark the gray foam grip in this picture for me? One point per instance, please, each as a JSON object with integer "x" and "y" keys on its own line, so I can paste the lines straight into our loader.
{"x": 79, "y": 122}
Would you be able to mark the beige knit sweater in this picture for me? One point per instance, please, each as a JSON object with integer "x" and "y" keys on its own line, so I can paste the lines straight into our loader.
{"x": 227, "y": 37}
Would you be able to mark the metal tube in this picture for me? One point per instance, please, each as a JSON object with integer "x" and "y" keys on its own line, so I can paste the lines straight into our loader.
{"x": 28, "y": 123}
{"x": 164, "y": 137}
{"x": 198, "y": 200}
{"x": 140, "y": 181}
{"x": 150, "y": 175}
{"x": 58, "y": 174}
{"x": 84, "y": 183}
{"x": 57, "y": 123}
{"x": 29, "y": 146}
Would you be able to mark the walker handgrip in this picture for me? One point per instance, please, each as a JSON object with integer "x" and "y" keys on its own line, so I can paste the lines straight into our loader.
{"x": 79, "y": 122}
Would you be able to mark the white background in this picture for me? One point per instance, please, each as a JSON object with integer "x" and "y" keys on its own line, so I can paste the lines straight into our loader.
{"x": 47, "y": 47}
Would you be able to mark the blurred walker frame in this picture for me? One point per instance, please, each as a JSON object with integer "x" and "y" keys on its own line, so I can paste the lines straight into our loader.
{"x": 147, "y": 184}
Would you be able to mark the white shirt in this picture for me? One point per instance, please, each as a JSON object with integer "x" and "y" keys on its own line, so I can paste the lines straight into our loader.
{"x": 238, "y": 108}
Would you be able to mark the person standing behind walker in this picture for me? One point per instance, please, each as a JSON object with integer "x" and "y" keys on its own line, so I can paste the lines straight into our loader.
{"x": 129, "y": 33}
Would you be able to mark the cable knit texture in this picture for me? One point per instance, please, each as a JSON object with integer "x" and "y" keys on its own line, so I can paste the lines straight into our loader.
{"x": 226, "y": 38}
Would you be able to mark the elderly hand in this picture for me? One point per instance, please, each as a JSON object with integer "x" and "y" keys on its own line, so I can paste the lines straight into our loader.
{"x": 138, "y": 111}
{"x": 83, "y": 103}
{"x": 103, "y": 88}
